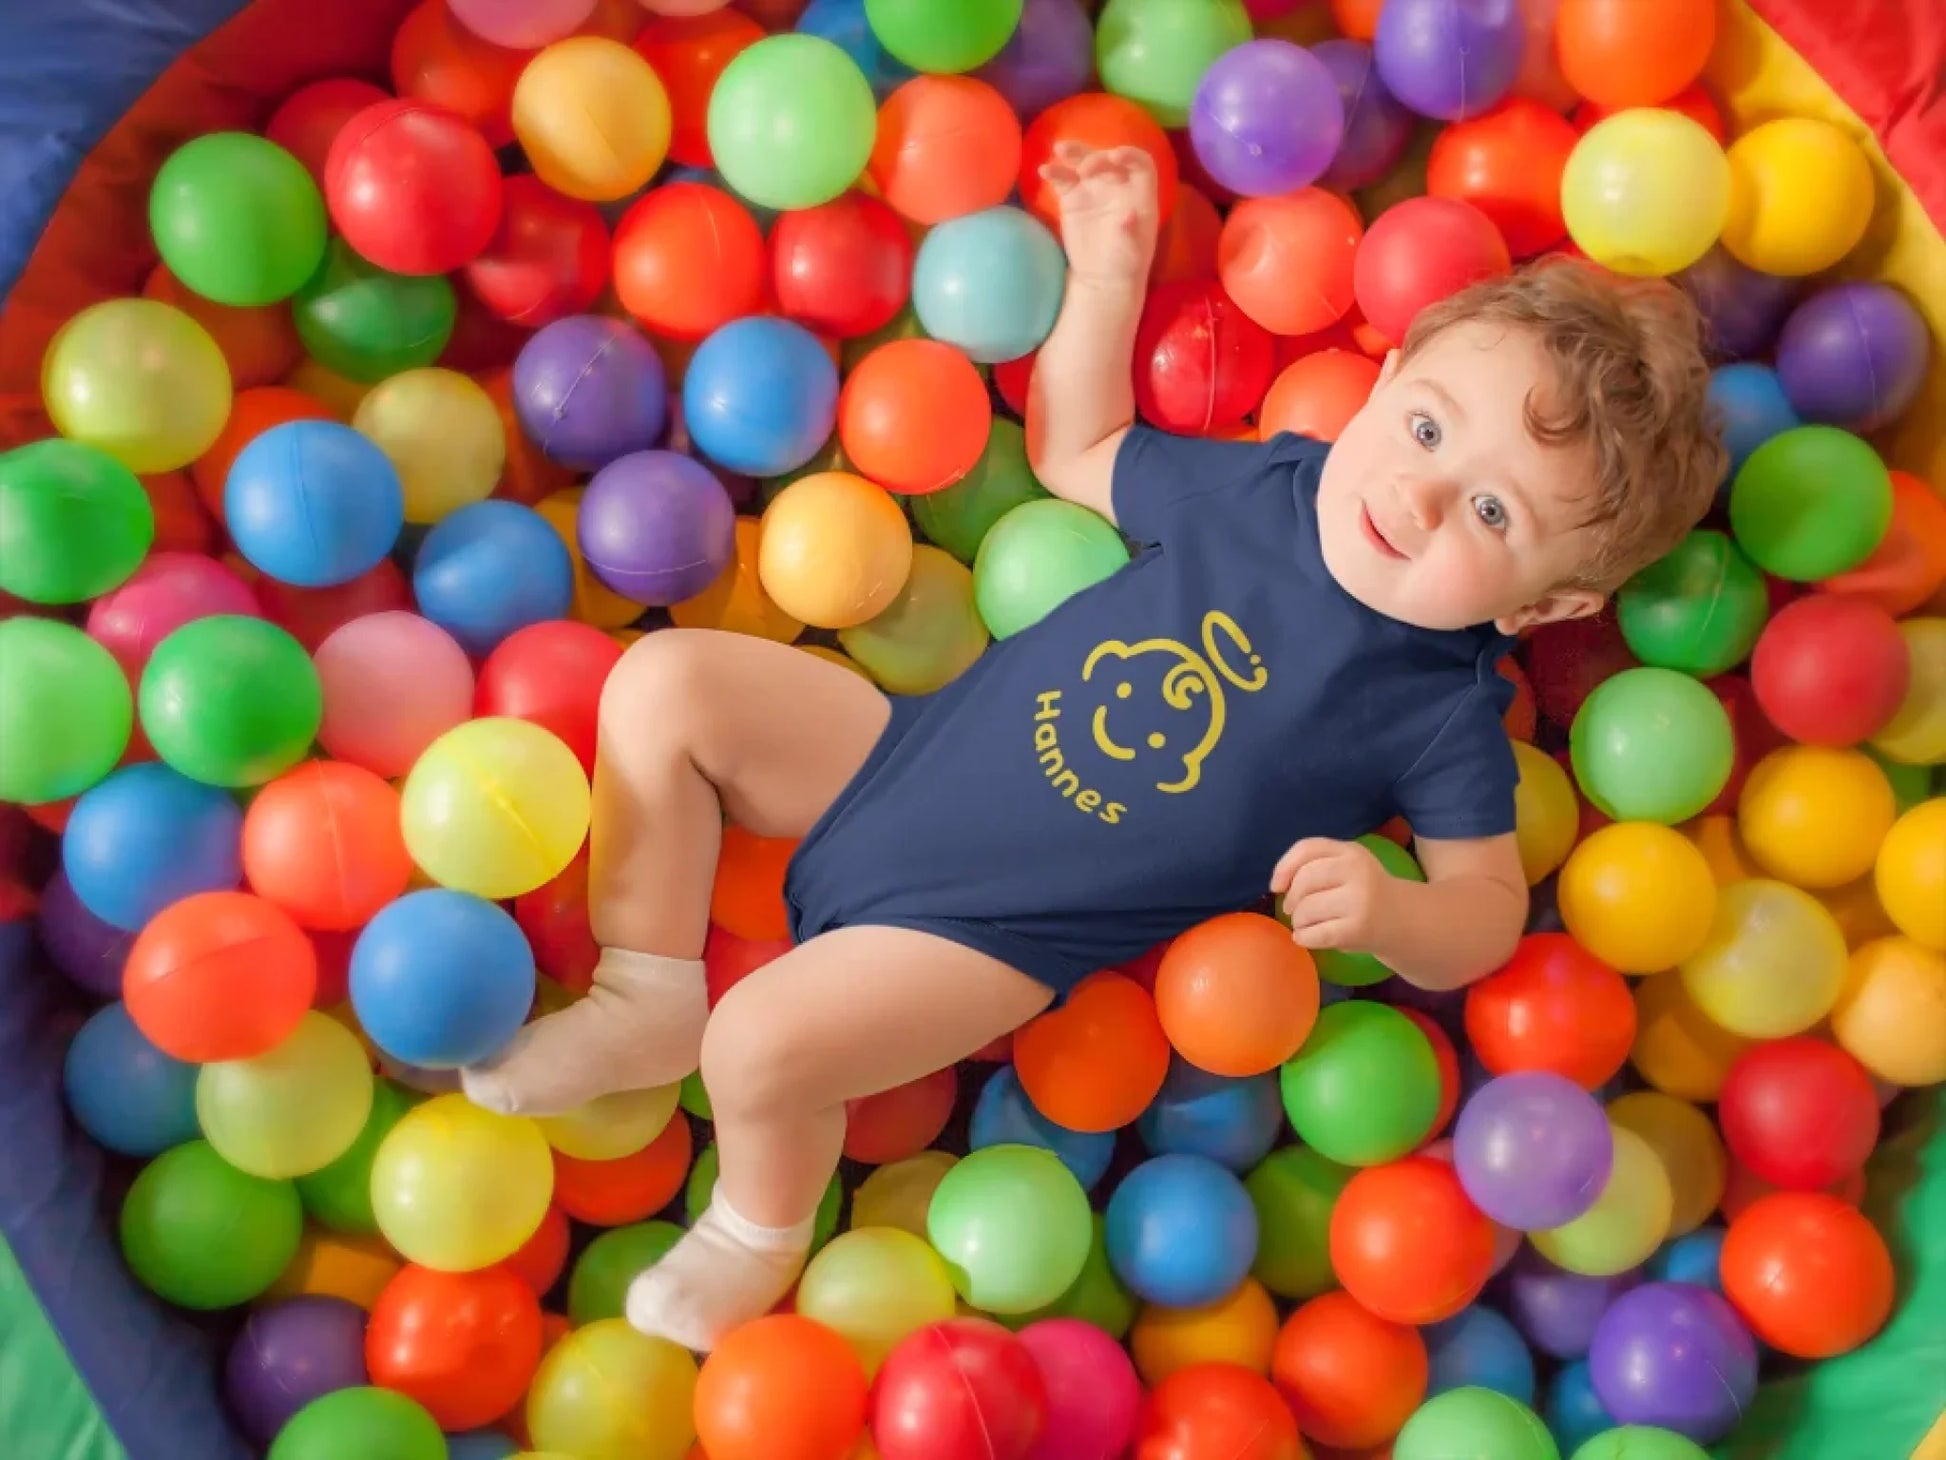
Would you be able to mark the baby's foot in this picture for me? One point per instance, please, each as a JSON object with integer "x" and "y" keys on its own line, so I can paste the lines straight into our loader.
{"x": 726, "y": 1271}
{"x": 641, "y": 1025}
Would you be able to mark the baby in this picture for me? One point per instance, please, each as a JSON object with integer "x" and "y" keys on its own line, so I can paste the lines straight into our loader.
{"x": 1305, "y": 647}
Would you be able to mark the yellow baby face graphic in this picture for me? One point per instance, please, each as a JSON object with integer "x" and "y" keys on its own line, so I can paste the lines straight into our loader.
{"x": 1192, "y": 688}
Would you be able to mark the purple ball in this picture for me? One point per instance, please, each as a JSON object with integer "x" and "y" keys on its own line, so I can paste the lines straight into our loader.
{"x": 1377, "y": 126}
{"x": 290, "y": 1353}
{"x": 656, "y": 526}
{"x": 1674, "y": 1355}
{"x": 1853, "y": 355}
{"x": 89, "y": 951}
{"x": 1533, "y": 1150}
{"x": 1049, "y": 58}
{"x": 1556, "y": 1310}
{"x": 1266, "y": 119}
{"x": 1743, "y": 308}
{"x": 588, "y": 389}
{"x": 1450, "y": 59}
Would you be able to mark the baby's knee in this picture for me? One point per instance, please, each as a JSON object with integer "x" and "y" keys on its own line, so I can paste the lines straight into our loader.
{"x": 661, "y": 681}
{"x": 753, "y": 1060}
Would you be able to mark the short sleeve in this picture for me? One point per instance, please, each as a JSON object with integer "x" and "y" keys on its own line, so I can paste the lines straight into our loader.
{"x": 1462, "y": 785}
{"x": 1163, "y": 480}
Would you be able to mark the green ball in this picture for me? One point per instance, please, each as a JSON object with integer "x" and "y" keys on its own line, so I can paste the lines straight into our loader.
{"x": 237, "y": 219}
{"x": 339, "y": 1196}
{"x": 231, "y": 701}
{"x": 1474, "y": 1424}
{"x": 1014, "y": 1227}
{"x": 360, "y": 1424}
{"x": 598, "y": 1287}
{"x": 1359, "y": 970}
{"x": 792, "y": 121}
{"x": 65, "y": 711}
{"x": 1651, "y": 745}
{"x": 74, "y": 522}
{"x": 1811, "y": 502}
{"x": 1036, "y": 557}
{"x": 694, "y": 1098}
{"x": 1155, "y": 52}
{"x": 943, "y": 36}
{"x": 1700, "y": 609}
{"x": 1911, "y": 784}
{"x": 1096, "y": 1297}
{"x": 959, "y": 517}
{"x": 1640, "y": 1442}
{"x": 1294, "y": 1191}
{"x": 1364, "y": 1088}
{"x": 902, "y": 326}
{"x": 702, "y": 1182}
{"x": 366, "y": 324}
{"x": 202, "y": 1234}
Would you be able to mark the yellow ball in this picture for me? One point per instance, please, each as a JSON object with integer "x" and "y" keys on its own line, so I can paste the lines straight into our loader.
{"x": 292, "y": 1110}
{"x": 139, "y": 379}
{"x": 1646, "y": 192}
{"x": 1638, "y": 896}
{"x": 606, "y": 1390}
{"x": 595, "y": 603}
{"x": 1773, "y": 962}
{"x": 736, "y": 601}
{"x": 592, "y": 117}
{"x": 900, "y": 1195}
{"x": 838, "y": 657}
{"x": 1891, "y": 1015}
{"x": 929, "y": 635}
{"x": 337, "y": 393}
{"x": 1546, "y": 815}
{"x": 1814, "y": 815}
{"x": 835, "y": 550}
{"x": 613, "y": 1126}
{"x": 458, "y": 1188}
{"x": 1678, "y": 1049}
{"x": 495, "y": 807}
{"x": 444, "y": 435}
{"x": 332, "y": 1265}
{"x": 1685, "y": 1141}
{"x": 1628, "y": 1221}
{"x": 1801, "y": 195}
{"x": 1716, "y": 839}
{"x": 874, "y": 1285}
{"x": 1238, "y": 1329}
{"x": 1910, "y": 874}
{"x": 1916, "y": 733}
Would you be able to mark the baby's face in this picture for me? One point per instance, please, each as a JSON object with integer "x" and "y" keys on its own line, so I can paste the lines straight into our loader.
{"x": 1438, "y": 507}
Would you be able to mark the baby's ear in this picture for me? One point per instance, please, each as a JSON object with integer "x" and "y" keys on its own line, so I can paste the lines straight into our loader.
{"x": 1552, "y": 608}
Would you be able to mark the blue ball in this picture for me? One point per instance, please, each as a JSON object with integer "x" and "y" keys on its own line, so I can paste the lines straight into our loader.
{"x": 1693, "y": 1258}
{"x": 128, "y": 1095}
{"x": 441, "y": 979}
{"x": 1750, "y": 403}
{"x": 990, "y": 282}
{"x": 1477, "y": 1348}
{"x": 843, "y": 23}
{"x": 1573, "y": 1410}
{"x": 1233, "y": 1122}
{"x": 1182, "y": 1231}
{"x": 760, "y": 396}
{"x": 491, "y": 568}
{"x": 1004, "y": 1116}
{"x": 313, "y": 503}
{"x": 146, "y": 836}
{"x": 480, "y": 1445}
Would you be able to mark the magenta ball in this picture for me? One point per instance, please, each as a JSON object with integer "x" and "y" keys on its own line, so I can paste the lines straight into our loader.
{"x": 1743, "y": 308}
{"x": 1093, "y": 1395}
{"x": 1853, "y": 355}
{"x": 288, "y": 1354}
{"x": 1266, "y": 118}
{"x": 393, "y": 683}
{"x": 162, "y": 595}
{"x": 656, "y": 526}
{"x": 588, "y": 389}
{"x": 1449, "y": 59}
{"x": 1049, "y": 57}
{"x": 1533, "y": 1150}
{"x": 1674, "y": 1355}
{"x": 1376, "y": 125}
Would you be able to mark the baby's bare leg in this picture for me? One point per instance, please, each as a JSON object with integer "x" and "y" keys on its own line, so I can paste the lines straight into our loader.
{"x": 848, "y": 1014}
{"x": 695, "y": 725}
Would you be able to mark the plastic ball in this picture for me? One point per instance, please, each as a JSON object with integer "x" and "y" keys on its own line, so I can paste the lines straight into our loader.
{"x": 129, "y": 1096}
{"x": 392, "y": 684}
{"x": 592, "y": 117}
{"x": 964, "y": 1389}
{"x": 1910, "y": 874}
{"x": 230, "y": 700}
{"x": 946, "y": 146}
{"x": 1675, "y": 1356}
{"x": 166, "y": 592}
{"x": 1685, "y": 1141}
{"x": 1317, "y": 395}
{"x": 218, "y": 976}
{"x": 1916, "y": 734}
{"x": 237, "y": 218}
{"x": 1652, "y": 745}
{"x": 656, "y": 527}
{"x": 1773, "y": 964}
{"x": 1853, "y": 355}
{"x": 255, "y": 412}
{"x": 322, "y": 842}
{"x": 313, "y": 503}
{"x": 1831, "y": 670}
{"x": 203, "y": 1235}
{"x": 442, "y": 433}
{"x": 1097, "y": 120}
{"x": 1158, "y": 1209}
{"x": 1049, "y": 58}
{"x": 1814, "y": 816}
{"x": 490, "y": 569}
{"x": 287, "y": 1354}
{"x": 1265, "y": 239}
{"x": 614, "y": 1126}
{"x": 928, "y": 635}
{"x": 1750, "y": 402}
{"x": 736, "y": 600}
{"x": 1646, "y": 192}
{"x": 1909, "y": 564}
{"x": 598, "y": 1286}
{"x": 842, "y": 268}
{"x": 1474, "y": 1421}
{"x": 292, "y": 1109}
{"x": 1092, "y": 1392}
{"x": 1012, "y": 1224}
{"x": 1266, "y": 119}
{"x": 897, "y": 1195}
{"x": 1810, "y": 1275}
{"x": 873, "y": 1287}
{"x": 1886, "y": 1016}
{"x": 521, "y": 26}
{"x": 1230, "y": 1121}
{"x": 551, "y": 674}
{"x": 145, "y": 837}
{"x": 1364, "y": 1088}
{"x": 945, "y": 35}
{"x": 990, "y": 283}
{"x": 1624, "y": 53}
{"x": 1004, "y": 1116}
{"x": 1235, "y": 996}
{"x": 1201, "y": 363}
{"x": 1477, "y": 1348}
{"x": 1408, "y": 1244}
{"x": 914, "y": 416}
{"x": 1546, "y": 812}
{"x": 1810, "y": 503}
{"x": 959, "y": 517}
{"x": 367, "y": 1421}
{"x": 1508, "y": 163}
{"x": 1419, "y": 252}
{"x": 441, "y": 979}
{"x": 1532, "y": 1150}
{"x": 413, "y": 188}
{"x": 1555, "y": 1310}
{"x": 1154, "y": 52}
{"x": 547, "y": 259}
{"x": 1216, "y": 1410}
{"x": 74, "y": 522}
{"x": 588, "y": 389}
{"x": 689, "y": 258}
{"x": 1799, "y": 1113}
{"x": 364, "y": 323}
{"x": 1628, "y": 1220}
{"x": 689, "y": 52}
{"x": 1638, "y": 896}
{"x": 606, "y": 1387}
{"x": 1801, "y": 196}
{"x": 495, "y": 807}
{"x": 626, "y": 1189}
{"x": 307, "y": 121}
{"x": 1239, "y": 1328}
{"x": 1700, "y": 608}
{"x": 457, "y": 1188}
{"x": 1376, "y": 125}
{"x": 338, "y": 1195}
{"x": 139, "y": 380}
{"x": 835, "y": 550}
{"x": 791, "y": 122}
{"x": 65, "y": 711}
{"x": 464, "y": 1345}
{"x": 1679, "y": 1049}
{"x": 1449, "y": 61}
{"x": 1350, "y": 1377}
{"x": 760, "y": 396}
{"x": 1554, "y": 1007}
{"x": 782, "y": 1374}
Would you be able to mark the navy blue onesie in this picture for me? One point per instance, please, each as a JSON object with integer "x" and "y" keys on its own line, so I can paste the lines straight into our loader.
{"x": 1137, "y": 761}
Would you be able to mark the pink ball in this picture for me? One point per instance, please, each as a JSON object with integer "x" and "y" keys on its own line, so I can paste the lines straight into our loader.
{"x": 1093, "y": 1396}
{"x": 521, "y": 25}
{"x": 393, "y": 683}
{"x": 166, "y": 592}
{"x": 1419, "y": 252}
{"x": 682, "y": 7}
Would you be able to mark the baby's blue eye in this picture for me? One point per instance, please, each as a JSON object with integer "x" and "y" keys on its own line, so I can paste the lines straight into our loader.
{"x": 1492, "y": 512}
{"x": 1425, "y": 430}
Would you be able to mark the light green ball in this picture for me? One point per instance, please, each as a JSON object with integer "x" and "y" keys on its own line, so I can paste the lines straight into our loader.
{"x": 1037, "y": 557}
{"x": 1360, "y": 970}
{"x": 1014, "y": 1228}
{"x": 1640, "y": 1442}
{"x": 237, "y": 219}
{"x": 65, "y": 711}
{"x": 943, "y": 36}
{"x": 1651, "y": 745}
{"x": 1474, "y": 1424}
{"x": 1155, "y": 52}
{"x": 1365, "y": 1087}
{"x": 959, "y": 517}
{"x": 792, "y": 121}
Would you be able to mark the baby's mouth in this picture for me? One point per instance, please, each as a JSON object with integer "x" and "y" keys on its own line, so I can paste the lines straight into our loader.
{"x": 1372, "y": 535}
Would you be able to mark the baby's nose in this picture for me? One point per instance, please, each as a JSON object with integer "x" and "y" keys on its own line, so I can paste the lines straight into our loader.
{"x": 1428, "y": 499}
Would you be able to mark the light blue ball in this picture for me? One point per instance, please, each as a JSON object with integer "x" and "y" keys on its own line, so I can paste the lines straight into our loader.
{"x": 760, "y": 396}
{"x": 1751, "y": 405}
{"x": 313, "y": 503}
{"x": 146, "y": 836}
{"x": 1693, "y": 1258}
{"x": 1004, "y": 1116}
{"x": 1477, "y": 1348}
{"x": 1233, "y": 1122}
{"x": 489, "y": 569}
{"x": 990, "y": 282}
{"x": 128, "y": 1095}
{"x": 1182, "y": 1231}
{"x": 1573, "y": 1411}
{"x": 441, "y": 979}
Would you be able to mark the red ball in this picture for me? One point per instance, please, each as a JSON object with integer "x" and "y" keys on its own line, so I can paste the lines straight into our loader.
{"x": 1095, "y": 119}
{"x": 413, "y": 187}
{"x": 1288, "y": 261}
{"x": 1419, "y": 252}
{"x": 322, "y": 842}
{"x": 1811, "y": 1276}
{"x": 843, "y": 268}
{"x": 1447, "y": 1058}
{"x": 312, "y": 615}
{"x": 463, "y": 1344}
{"x": 554, "y": 916}
{"x": 543, "y": 1257}
{"x": 729, "y": 958}
{"x": 310, "y": 118}
{"x": 1694, "y": 102}
{"x": 1201, "y": 364}
{"x": 1566, "y": 660}
{"x": 1554, "y": 1007}
{"x": 964, "y": 1389}
{"x": 1799, "y": 1113}
{"x": 1408, "y": 1243}
{"x": 1012, "y": 379}
{"x": 548, "y": 258}
{"x": 1831, "y": 669}
{"x": 1216, "y": 1411}
{"x": 1755, "y": 737}
{"x": 902, "y": 1121}
{"x": 1508, "y": 163}
{"x": 550, "y": 674}
{"x": 689, "y": 258}
{"x": 689, "y": 52}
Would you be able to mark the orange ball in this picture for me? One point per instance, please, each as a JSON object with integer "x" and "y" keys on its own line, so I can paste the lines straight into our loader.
{"x": 736, "y": 601}
{"x": 1508, "y": 163}
{"x": 436, "y": 59}
{"x": 1095, "y": 119}
{"x": 901, "y": 1122}
{"x": 689, "y": 258}
{"x": 1216, "y": 1412}
{"x": 252, "y": 412}
{"x": 1235, "y": 995}
{"x": 259, "y": 341}
{"x": 323, "y": 842}
{"x": 1693, "y": 102}
{"x": 528, "y": 477}
{"x": 1555, "y": 1007}
{"x": 1186, "y": 247}
{"x": 781, "y": 1388}
{"x": 219, "y": 976}
{"x": 1408, "y": 1244}
{"x": 689, "y": 52}
{"x": 463, "y": 1344}
{"x": 1909, "y": 564}
{"x": 1095, "y": 1063}
{"x": 1351, "y": 1378}
{"x": 1357, "y": 19}
{"x": 544, "y": 1256}
{"x": 1318, "y": 395}
{"x": 629, "y": 1189}
{"x": 1287, "y": 260}
{"x": 946, "y": 146}
{"x": 748, "y": 896}
{"x": 182, "y": 522}
{"x": 914, "y": 416}
{"x": 728, "y": 960}
{"x": 1625, "y": 53}
{"x": 1811, "y": 1276}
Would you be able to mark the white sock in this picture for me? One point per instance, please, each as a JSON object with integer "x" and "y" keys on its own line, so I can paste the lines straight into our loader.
{"x": 640, "y": 1025}
{"x": 726, "y": 1271}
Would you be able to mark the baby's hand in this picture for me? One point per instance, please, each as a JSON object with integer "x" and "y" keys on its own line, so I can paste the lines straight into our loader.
{"x": 1335, "y": 893}
{"x": 1109, "y": 214}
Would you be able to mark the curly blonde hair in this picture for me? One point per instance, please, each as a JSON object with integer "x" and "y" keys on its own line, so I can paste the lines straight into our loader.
{"x": 1632, "y": 386}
